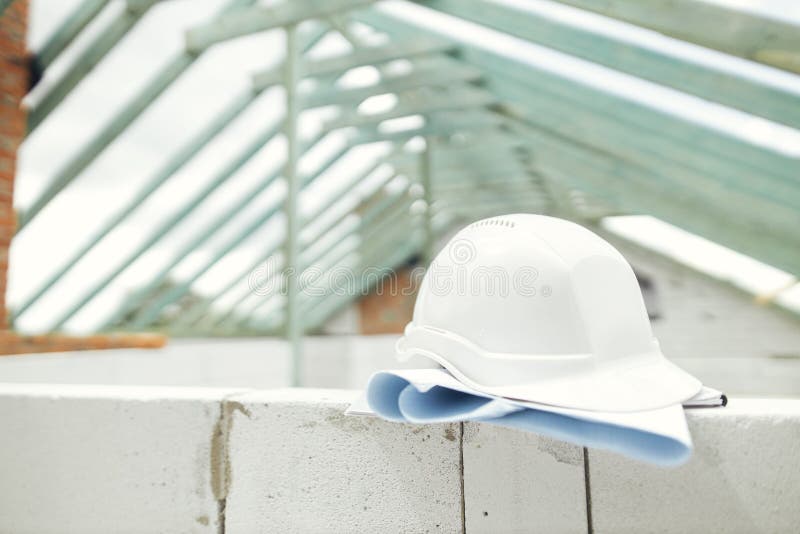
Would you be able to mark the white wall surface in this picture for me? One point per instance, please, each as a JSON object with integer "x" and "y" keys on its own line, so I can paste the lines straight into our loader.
{"x": 719, "y": 332}
{"x": 330, "y": 362}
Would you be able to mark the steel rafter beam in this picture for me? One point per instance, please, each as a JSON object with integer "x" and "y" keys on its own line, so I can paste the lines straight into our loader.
{"x": 197, "y": 312}
{"x": 446, "y": 124}
{"x": 443, "y": 123}
{"x": 735, "y": 31}
{"x": 102, "y": 44}
{"x": 63, "y": 36}
{"x": 258, "y": 19}
{"x": 707, "y": 79}
{"x": 149, "y": 314}
{"x": 460, "y": 97}
{"x": 370, "y": 55}
{"x": 222, "y": 176}
{"x": 700, "y": 160}
{"x": 583, "y": 109}
{"x": 393, "y": 83}
{"x": 373, "y": 222}
{"x": 398, "y": 231}
{"x": 167, "y": 171}
{"x": 107, "y": 134}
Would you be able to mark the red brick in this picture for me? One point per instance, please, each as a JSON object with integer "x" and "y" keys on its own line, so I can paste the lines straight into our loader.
{"x": 14, "y": 82}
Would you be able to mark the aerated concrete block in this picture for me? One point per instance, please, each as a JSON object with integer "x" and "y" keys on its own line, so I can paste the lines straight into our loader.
{"x": 744, "y": 477}
{"x": 107, "y": 459}
{"x": 516, "y": 482}
{"x": 298, "y": 464}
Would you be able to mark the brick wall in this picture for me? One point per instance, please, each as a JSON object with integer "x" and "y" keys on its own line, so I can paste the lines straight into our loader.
{"x": 12, "y": 343}
{"x": 389, "y": 306}
{"x": 14, "y": 74}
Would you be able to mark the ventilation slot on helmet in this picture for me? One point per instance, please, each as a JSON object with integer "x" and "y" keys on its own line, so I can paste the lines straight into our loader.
{"x": 493, "y": 222}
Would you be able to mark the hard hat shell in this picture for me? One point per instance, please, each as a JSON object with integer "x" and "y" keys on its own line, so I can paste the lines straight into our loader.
{"x": 542, "y": 309}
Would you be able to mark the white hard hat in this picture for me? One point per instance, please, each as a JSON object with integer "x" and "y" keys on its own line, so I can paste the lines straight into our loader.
{"x": 541, "y": 309}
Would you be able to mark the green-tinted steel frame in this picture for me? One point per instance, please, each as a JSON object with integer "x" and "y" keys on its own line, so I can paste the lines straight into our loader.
{"x": 373, "y": 224}
{"x": 707, "y": 80}
{"x": 392, "y": 83}
{"x": 676, "y": 138}
{"x": 446, "y": 127}
{"x": 169, "y": 169}
{"x": 88, "y": 59}
{"x": 222, "y": 176}
{"x": 261, "y": 18}
{"x": 403, "y": 229}
{"x": 371, "y": 55}
{"x": 735, "y": 31}
{"x": 676, "y": 144}
{"x": 150, "y": 313}
{"x": 200, "y": 309}
{"x": 107, "y": 134}
{"x": 63, "y": 36}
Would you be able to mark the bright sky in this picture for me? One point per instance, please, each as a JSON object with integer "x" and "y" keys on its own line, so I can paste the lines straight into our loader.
{"x": 211, "y": 83}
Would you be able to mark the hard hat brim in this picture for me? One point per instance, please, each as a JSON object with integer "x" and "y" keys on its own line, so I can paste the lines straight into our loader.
{"x": 632, "y": 384}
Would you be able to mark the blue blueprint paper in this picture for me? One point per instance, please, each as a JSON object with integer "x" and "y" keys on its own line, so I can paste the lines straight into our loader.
{"x": 659, "y": 436}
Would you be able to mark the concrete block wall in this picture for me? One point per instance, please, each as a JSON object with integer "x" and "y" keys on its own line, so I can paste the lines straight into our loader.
{"x": 122, "y": 459}
{"x": 99, "y": 459}
{"x": 744, "y": 477}
{"x": 298, "y": 464}
{"x": 518, "y": 482}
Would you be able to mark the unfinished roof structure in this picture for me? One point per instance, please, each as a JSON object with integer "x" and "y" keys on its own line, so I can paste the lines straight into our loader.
{"x": 474, "y": 129}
